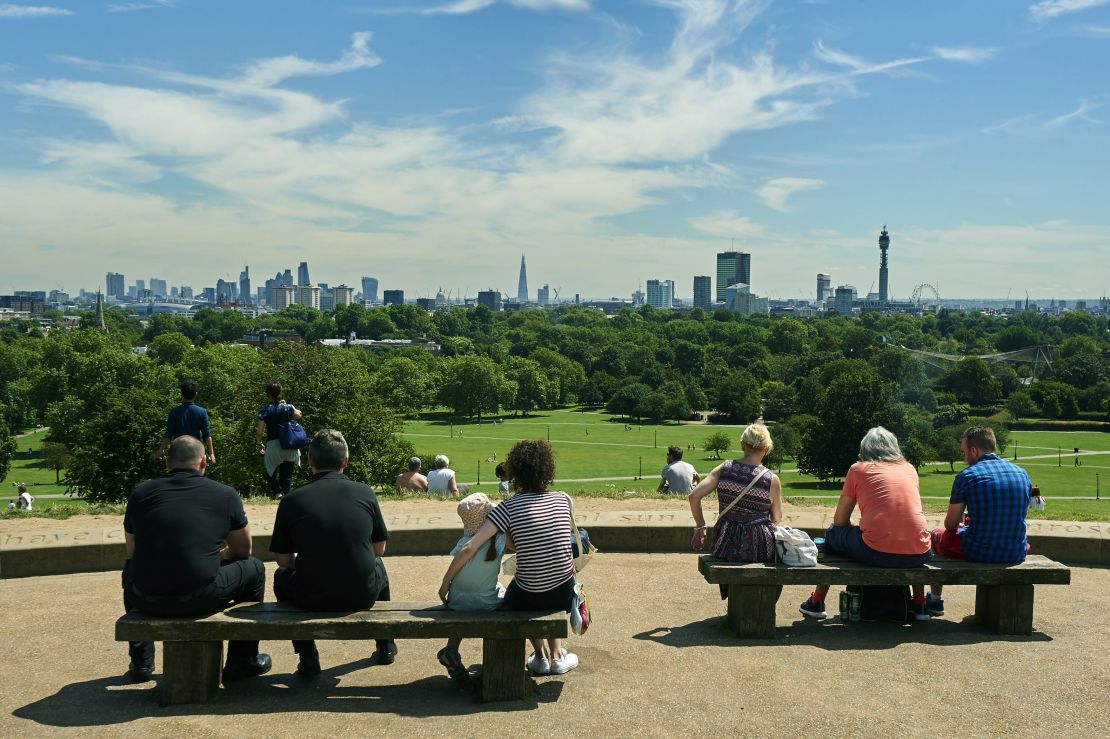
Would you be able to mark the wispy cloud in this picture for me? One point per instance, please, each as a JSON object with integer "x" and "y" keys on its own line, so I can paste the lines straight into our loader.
{"x": 132, "y": 7}
{"x": 774, "y": 193}
{"x": 7, "y": 10}
{"x": 1080, "y": 113}
{"x": 1094, "y": 31}
{"x": 727, "y": 224}
{"x": 269, "y": 72}
{"x": 857, "y": 64}
{"x": 1032, "y": 124}
{"x": 462, "y": 7}
{"x": 1049, "y": 9}
{"x": 970, "y": 54}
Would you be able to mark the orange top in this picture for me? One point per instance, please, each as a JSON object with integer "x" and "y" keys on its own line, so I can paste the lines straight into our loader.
{"x": 889, "y": 499}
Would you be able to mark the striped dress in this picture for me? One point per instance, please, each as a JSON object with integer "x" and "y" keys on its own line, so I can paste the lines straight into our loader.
{"x": 744, "y": 534}
{"x": 539, "y": 524}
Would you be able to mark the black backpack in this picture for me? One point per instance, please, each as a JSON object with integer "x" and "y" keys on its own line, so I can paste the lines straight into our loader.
{"x": 884, "y": 602}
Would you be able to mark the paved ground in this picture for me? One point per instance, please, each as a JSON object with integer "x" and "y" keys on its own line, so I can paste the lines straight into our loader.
{"x": 656, "y": 662}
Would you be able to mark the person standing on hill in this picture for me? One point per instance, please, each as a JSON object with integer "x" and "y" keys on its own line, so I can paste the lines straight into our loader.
{"x": 188, "y": 419}
{"x": 277, "y": 462}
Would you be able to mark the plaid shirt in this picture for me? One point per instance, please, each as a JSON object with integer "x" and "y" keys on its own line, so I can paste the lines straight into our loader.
{"x": 997, "y": 496}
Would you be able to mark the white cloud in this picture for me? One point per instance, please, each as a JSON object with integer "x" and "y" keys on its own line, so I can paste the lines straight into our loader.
{"x": 727, "y": 224}
{"x": 1094, "y": 31}
{"x": 774, "y": 193}
{"x": 970, "y": 54}
{"x": 269, "y": 72}
{"x": 1034, "y": 125}
{"x": 132, "y": 7}
{"x": 462, "y": 7}
{"x": 1049, "y": 9}
{"x": 1080, "y": 113}
{"x": 7, "y": 10}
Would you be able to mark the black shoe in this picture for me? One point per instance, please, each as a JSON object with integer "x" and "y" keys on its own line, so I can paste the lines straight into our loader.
{"x": 251, "y": 667}
{"x": 386, "y": 653}
{"x": 141, "y": 672}
{"x": 309, "y": 664}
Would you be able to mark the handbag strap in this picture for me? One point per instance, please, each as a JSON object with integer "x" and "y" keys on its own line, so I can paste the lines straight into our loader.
{"x": 573, "y": 527}
{"x": 743, "y": 492}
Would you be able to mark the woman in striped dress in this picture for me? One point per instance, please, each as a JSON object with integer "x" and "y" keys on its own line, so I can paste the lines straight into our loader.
{"x": 539, "y": 522}
{"x": 746, "y": 533}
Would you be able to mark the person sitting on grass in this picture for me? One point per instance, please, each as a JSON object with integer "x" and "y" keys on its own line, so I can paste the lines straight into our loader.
{"x": 441, "y": 480}
{"x": 995, "y": 493}
{"x": 892, "y": 531}
{"x": 475, "y": 586}
{"x": 413, "y": 480}
{"x": 677, "y": 477}
{"x": 503, "y": 476}
{"x": 25, "y": 500}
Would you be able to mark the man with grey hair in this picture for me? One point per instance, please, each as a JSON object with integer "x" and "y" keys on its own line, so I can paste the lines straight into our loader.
{"x": 178, "y": 564}
{"x": 413, "y": 480}
{"x": 441, "y": 480}
{"x": 329, "y": 537}
{"x": 892, "y": 531}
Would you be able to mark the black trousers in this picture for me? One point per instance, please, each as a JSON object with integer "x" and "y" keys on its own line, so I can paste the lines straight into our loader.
{"x": 287, "y": 589}
{"x": 237, "y": 581}
{"x": 282, "y": 480}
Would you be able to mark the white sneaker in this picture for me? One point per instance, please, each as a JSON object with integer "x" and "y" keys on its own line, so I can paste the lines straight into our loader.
{"x": 566, "y": 662}
{"x": 539, "y": 665}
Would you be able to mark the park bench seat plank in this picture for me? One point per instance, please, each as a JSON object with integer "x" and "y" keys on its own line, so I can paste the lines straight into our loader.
{"x": 194, "y": 644}
{"x": 1003, "y": 595}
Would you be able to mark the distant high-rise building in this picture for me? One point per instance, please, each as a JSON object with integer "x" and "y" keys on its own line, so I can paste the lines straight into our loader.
{"x": 660, "y": 293}
{"x": 884, "y": 244}
{"x": 245, "y": 286}
{"x": 428, "y": 304}
{"x": 369, "y": 290}
{"x": 732, "y": 267}
{"x": 393, "y": 297}
{"x": 522, "y": 284}
{"x": 824, "y": 287}
{"x": 140, "y": 285}
{"x": 491, "y": 299}
{"x": 543, "y": 295}
{"x": 343, "y": 295}
{"x": 223, "y": 290}
{"x": 115, "y": 285}
{"x": 843, "y": 298}
{"x": 175, "y": 292}
{"x": 261, "y": 294}
{"x": 309, "y": 296}
{"x": 209, "y": 295}
{"x": 302, "y": 274}
{"x": 158, "y": 287}
{"x": 703, "y": 292}
{"x": 283, "y": 296}
{"x": 186, "y": 292}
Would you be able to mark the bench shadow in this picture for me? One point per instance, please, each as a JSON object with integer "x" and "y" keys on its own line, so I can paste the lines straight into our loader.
{"x": 832, "y": 635}
{"x": 114, "y": 700}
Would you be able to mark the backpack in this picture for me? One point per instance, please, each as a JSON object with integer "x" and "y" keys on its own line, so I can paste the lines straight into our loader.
{"x": 884, "y": 602}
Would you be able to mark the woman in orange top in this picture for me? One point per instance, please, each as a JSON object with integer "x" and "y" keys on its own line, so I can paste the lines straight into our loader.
{"x": 892, "y": 531}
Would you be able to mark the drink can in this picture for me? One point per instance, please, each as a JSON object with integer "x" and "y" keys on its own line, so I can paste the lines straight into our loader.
{"x": 853, "y": 612}
{"x": 820, "y": 542}
{"x": 845, "y": 604}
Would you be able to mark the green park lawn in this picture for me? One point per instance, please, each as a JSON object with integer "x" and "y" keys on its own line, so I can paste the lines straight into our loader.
{"x": 602, "y": 458}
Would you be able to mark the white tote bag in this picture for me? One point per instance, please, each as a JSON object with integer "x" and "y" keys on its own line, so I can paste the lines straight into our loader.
{"x": 794, "y": 547}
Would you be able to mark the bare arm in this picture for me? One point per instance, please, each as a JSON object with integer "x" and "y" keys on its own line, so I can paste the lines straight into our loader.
{"x": 379, "y": 548}
{"x": 239, "y": 543}
{"x": 129, "y": 544}
{"x": 211, "y": 451}
{"x": 776, "y": 499}
{"x": 844, "y": 508}
{"x": 485, "y": 533}
{"x": 662, "y": 484}
{"x": 453, "y": 487}
{"x": 297, "y": 413}
{"x": 162, "y": 448}
{"x": 259, "y": 430}
{"x": 288, "y": 561}
{"x": 702, "y": 489}
{"x": 954, "y": 516}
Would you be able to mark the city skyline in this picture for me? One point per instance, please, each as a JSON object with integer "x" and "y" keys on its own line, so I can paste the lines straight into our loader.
{"x": 639, "y": 140}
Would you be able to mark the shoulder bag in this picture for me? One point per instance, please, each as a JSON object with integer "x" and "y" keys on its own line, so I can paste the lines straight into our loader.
{"x": 580, "y": 602}
{"x": 291, "y": 435}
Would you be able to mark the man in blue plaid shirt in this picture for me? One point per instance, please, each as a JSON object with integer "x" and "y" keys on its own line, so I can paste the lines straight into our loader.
{"x": 995, "y": 494}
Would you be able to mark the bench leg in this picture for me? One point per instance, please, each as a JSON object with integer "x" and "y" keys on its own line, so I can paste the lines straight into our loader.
{"x": 1005, "y": 609}
{"x": 751, "y": 610}
{"x": 191, "y": 671}
{"x": 502, "y": 669}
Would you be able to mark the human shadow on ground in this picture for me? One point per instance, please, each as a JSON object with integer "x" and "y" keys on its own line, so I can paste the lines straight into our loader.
{"x": 113, "y": 700}
{"x": 833, "y": 635}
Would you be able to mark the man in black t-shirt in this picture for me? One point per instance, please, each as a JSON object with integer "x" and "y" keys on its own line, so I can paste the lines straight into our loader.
{"x": 329, "y": 536}
{"x": 178, "y": 565}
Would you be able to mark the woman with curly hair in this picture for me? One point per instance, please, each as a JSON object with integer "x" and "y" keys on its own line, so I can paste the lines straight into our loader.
{"x": 538, "y": 521}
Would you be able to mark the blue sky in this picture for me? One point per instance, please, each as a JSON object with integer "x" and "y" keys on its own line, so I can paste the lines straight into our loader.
{"x": 431, "y": 143}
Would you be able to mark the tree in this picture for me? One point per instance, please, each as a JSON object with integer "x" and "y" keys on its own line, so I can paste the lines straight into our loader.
{"x": 737, "y": 396}
{"x": 946, "y": 445}
{"x": 7, "y": 450}
{"x": 473, "y": 385}
{"x": 169, "y": 348}
{"x": 972, "y": 382}
{"x": 533, "y": 388}
{"x": 669, "y": 401}
{"x": 717, "y": 442}
{"x": 56, "y": 457}
{"x": 402, "y": 384}
{"x": 779, "y": 400}
{"x": 626, "y": 401}
{"x": 1020, "y": 405}
{"x": 850, "y": 405}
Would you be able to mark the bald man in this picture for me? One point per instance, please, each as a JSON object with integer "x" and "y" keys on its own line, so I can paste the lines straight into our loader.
{"x": 178, "y": 563}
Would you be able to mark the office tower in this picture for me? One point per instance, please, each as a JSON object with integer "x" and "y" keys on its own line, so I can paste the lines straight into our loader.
{"x": 732, "y": 267}
{"x": 393, "y": 297}
{"x": 543, "y": 296}
{"x": 223, "y": 290}
{"x": 245, "y": 286}
{"x": 284, "y": 296}
{"x": 884, "y": 244}
{"x": 158, "y": 287}
{"x": 261, "y": 294}
{"x": 369, "y": 290}
{"x": 186, "y": 292}
{"x": 284, "y": 279}
{"x": 660, "y": 293}
{"x": 739, "y": 298}
{"x": 115, "y": 285}
{"x": 491, "y": 299}
{"x": 428, "y": 304}
{"x": 824, "y": 287}
{"x": 522, "y": 284}
{"x": 308, "y": 296}
{"x": 175, "y": 292}
{"x": 209, "y": 294}
{"x": 302, "y": 274}
{"x": 842, "y": 299}
{"x": 343, "y": 295}
{"x": 57, "y": 296}
{"x": 140, "y": 285}
{"x": 703, "y": 292}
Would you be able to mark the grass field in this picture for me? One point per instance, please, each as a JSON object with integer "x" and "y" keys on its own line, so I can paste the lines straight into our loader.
{"x": 601, "y": 458}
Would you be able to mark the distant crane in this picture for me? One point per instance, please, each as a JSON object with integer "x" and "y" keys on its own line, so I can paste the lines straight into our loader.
{"x": 556, "y": 291}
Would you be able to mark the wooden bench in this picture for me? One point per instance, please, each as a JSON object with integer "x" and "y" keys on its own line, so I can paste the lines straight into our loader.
{"x": 1003, "y": 593}
{"x": 193, "y": 645}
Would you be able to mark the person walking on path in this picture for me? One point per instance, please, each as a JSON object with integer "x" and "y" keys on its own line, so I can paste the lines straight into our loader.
{"x": 188, "y": 419}
{"x": 329, "y": 538}
{"x": 745, "y": 530}
{"x": 277, "y": 462}
{"x": 175, "y": 529}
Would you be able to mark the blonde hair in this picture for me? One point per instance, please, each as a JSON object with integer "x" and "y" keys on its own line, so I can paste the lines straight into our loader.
{"x": 758, "y": 437}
